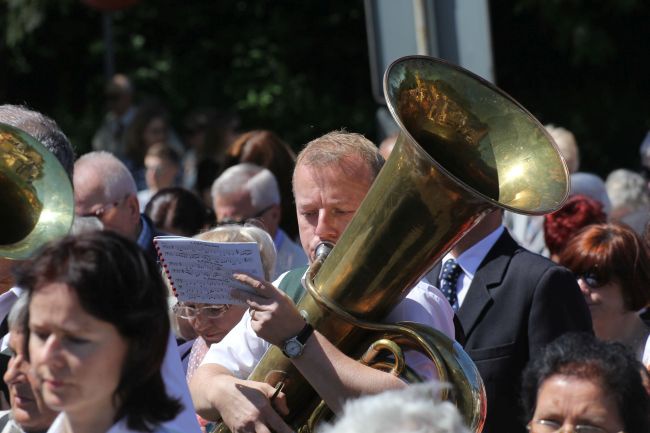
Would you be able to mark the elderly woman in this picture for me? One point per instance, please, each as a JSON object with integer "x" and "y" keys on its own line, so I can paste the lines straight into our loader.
{"x": 28, "y": 413}
{"x": 580, "y": 384}
{"x": 612, "y": 265}
{"x": 212, "y": 322}
{"x": 98, "y": 334}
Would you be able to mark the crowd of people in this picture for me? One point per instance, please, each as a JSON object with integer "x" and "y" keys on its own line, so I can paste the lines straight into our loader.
{"x": 551, "y": 309}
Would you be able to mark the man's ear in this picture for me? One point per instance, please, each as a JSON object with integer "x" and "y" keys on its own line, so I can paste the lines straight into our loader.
{"x": 133, "y": 205}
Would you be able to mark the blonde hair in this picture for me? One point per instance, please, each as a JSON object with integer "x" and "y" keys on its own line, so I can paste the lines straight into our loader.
{"x": 337, "y": 147}
{"x": 414, "y": 409}
{"x": 245, "y": 233}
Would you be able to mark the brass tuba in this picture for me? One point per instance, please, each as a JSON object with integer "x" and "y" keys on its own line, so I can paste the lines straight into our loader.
{"x": 36, "y": 199}
{"x": 464, "y": 149}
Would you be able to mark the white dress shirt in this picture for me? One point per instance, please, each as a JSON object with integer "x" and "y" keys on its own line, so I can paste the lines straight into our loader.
{"x": 470, "y": 260}
{"x": 241, "y": 349}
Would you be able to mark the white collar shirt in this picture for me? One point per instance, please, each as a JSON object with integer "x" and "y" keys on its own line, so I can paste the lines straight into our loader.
{"x": 470, "y": 260}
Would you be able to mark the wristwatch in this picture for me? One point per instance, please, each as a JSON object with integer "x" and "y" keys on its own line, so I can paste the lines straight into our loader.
{"x": 293, "y": 347}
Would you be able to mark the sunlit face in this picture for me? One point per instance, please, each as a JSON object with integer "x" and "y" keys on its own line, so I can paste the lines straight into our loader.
{"x": 27, "y": 405}
{"x": 327, "y": 199}
{"x": 212, "y": 330}
{"x": 154, "y": 132}
{"x": 76, "y": 357}
{"x": 234, "y": 207}
{"x": 119, "y": 214}
{"x": 605, "y": 303}
{"x": 569, "y": 401}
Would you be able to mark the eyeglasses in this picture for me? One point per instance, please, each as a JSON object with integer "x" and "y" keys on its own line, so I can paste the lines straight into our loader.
{"x": 101, "y": 211}
{"x": 208, "y": 311}
{"x": 591, "y": 280}
{"x": 251, "y": 220}
{"x": 548, "y": 426}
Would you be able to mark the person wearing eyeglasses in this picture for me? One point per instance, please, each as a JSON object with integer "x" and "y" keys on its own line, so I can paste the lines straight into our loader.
{"x": 580, "y": 384}
{"x": 246, "y": 191}
{"x": 104, "y": 188}
{"x": 612, "y": 266}
{"x": 210, "y": 322}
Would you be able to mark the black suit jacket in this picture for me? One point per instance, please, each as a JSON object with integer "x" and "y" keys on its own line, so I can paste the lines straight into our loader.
{"x": 148, "y": 246}
{"x": 517, "y": 303}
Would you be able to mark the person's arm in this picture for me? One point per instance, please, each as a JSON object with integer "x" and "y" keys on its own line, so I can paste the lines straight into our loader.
{"x": 333, "y": 375}
{"x": 242, "y": 405}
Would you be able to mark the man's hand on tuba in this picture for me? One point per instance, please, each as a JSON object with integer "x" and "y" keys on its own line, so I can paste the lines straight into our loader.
{"x": 244, "y": 406}
{"x": 274, "y": 316}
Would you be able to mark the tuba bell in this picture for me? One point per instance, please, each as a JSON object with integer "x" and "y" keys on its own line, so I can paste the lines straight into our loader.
{"x": 464, "y": 148}
{"x": 36, "y": 198}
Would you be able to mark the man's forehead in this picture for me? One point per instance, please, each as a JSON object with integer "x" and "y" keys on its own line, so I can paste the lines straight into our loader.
{"x": 352, "y": 167}
{"x": 88, "y": 193}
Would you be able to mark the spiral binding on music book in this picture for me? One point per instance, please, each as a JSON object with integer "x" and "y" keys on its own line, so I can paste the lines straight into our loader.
{"x": 168, "y": 274}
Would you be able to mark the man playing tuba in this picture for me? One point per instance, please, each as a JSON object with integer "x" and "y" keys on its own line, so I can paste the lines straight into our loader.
{"x": 332, "y": 176}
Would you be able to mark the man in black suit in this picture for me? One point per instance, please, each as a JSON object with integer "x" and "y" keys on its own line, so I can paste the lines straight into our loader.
{"x": 509, "y": 303}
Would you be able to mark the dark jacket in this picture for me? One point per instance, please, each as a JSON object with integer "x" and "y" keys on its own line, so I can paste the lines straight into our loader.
{"x": 517, "y": 303}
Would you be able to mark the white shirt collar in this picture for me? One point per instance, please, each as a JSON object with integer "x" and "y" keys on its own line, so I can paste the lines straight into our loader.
{"x": 471, "y": 258}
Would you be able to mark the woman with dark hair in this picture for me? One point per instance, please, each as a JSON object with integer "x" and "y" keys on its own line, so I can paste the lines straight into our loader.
{"x": 583, "y": 385}
{"x": 98, "y": 334}
{"x": 560, "y": 226}
{"x": 266, "y": 149}
{"x": 612, "y": 265}
{"x": 178, "y": 211}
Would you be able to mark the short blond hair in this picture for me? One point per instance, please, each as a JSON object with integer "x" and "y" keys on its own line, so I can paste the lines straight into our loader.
{"x": 245, "y": 233}
{"x": 338, "y": 146}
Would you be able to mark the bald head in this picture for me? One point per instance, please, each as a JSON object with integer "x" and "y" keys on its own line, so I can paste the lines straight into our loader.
{"x": 105, "y": 188}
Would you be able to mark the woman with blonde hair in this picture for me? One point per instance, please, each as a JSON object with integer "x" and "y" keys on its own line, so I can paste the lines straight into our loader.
{"x": 212, "y": 322}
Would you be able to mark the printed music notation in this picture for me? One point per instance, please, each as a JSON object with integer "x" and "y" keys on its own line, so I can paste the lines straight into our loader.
{"x": 201, "y": 271}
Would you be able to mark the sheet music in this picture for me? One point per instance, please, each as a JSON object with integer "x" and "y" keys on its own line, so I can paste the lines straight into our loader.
{"x": 201, "y": 271}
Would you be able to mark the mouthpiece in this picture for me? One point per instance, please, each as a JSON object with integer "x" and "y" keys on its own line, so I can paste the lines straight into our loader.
{"x": 323, "y": 250}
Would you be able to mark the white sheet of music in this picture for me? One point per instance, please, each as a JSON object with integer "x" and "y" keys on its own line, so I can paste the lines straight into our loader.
{"x": 201, "y": 271}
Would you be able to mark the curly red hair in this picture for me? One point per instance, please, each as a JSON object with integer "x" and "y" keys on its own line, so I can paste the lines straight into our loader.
{"x": 560, "y": 226}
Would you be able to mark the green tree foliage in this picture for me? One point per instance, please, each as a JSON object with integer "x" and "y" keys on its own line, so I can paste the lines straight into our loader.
{"x": 583, "y": 65}
{"x": 299, "y": 68}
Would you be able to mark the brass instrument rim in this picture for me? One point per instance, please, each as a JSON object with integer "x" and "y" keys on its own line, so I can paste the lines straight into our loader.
{"x": 482, "y": 81}
{"x": 53, "y": 189}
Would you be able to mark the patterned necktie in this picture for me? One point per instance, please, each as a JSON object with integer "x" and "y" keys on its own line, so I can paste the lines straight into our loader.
{"x": 448, "y": 279}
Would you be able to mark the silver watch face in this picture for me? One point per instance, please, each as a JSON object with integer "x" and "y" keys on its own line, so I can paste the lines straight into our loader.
{"x": 292, "y": 348}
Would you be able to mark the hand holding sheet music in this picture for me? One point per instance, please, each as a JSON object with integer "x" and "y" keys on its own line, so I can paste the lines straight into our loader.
{"x": 202, "y": 272}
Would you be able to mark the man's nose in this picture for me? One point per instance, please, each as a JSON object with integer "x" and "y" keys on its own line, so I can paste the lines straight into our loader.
{"x": 14, "y": 369}
{"x": 51, "y": 350}
{"x": 326, "y": 227}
